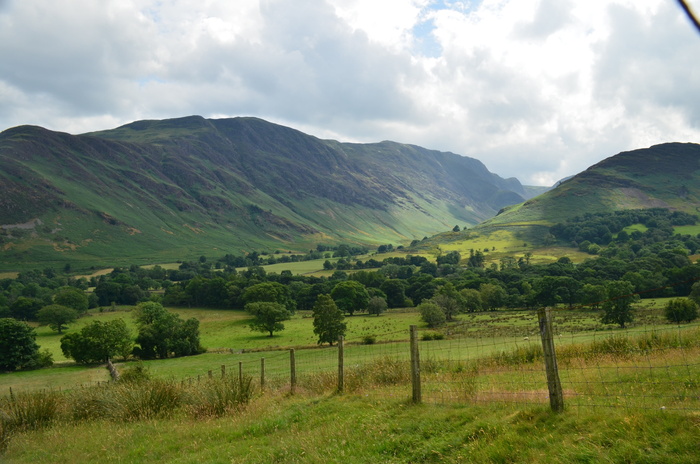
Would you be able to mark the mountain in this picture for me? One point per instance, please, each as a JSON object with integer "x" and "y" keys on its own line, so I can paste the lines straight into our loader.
{"x": 152, "y": 191}
{"x": 662, "y": 176}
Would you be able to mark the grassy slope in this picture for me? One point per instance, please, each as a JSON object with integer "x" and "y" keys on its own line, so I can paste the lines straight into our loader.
{"x": 355, "y": 429}
{"x": 163, "y": 190}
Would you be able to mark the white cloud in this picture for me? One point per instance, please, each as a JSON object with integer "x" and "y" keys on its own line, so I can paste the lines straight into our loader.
{"x": 538, "y": 89}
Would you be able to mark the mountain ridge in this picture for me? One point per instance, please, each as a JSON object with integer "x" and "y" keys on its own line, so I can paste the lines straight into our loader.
{"x": 151, "y": 189}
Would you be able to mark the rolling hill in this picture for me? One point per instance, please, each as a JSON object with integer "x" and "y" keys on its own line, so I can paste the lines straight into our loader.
{"x": 153, "y": 191}
{"x": 662, "y": 176}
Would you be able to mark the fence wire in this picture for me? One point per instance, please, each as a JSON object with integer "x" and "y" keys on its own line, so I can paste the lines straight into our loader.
{"x": 649, "y": 365}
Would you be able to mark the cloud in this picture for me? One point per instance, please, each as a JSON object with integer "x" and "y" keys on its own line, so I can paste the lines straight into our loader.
{"x": 538, "y": 89}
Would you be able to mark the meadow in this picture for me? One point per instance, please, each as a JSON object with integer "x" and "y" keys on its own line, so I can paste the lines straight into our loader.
{"x": 632, "y": 396}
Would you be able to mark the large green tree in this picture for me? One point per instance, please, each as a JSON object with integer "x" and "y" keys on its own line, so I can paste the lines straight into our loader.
{"x": 617, "y": 309}
{"x": 350, "y": 296}
{"x": 328, "y": 320}
{"x": 18, "y": 348}
{"x": 268, "y": 316}
{"x": 57, "y": 316}
{"x": 71, "y": 297}
{"x": 163, "y": 334}
{"x": 98, "y": 341}
{"x": 272, "y": 292}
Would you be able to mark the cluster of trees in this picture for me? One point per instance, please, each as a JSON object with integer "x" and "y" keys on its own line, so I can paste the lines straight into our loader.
{"x": 161, "y": 334}
{"x": 591, "y": 232}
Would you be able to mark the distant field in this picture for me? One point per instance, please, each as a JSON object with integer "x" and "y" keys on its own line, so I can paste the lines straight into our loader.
{"x": 229, "y": 341}
{"x": 687, "y": 230}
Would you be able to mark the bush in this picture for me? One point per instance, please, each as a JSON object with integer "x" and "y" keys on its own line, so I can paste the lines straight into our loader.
{"x": 18, "y": 348}
{"x": 432, "y": 314}
{"x": 369, "y": 339}
{"x": 681, "y": 310}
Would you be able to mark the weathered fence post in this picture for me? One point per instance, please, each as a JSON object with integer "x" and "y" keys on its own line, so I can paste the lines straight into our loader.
{"x": 240, "y": 374}
{"x": 415, "y": 365}
{"x": 210, "y": 374}
{"x": 292, "y": 372}
{"x": 223, "y": 371}
{"x": 556, "y": 395}
{"x": 262, "y": 375}
{"x": 341, "y": 366}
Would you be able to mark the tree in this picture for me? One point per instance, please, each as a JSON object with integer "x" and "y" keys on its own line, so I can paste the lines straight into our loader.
{"x": 395, "y": 292}
{"x": 268, "y": 316}
{"x": 25, "y": 308}
{"x": 271, "y": 292}
{"x": 456, "y": 229}
{"x": 73, "y": 298}
{"x": 695, "y": 292}
{"x": 18, "y": 348}
{"x": 593, "y": 295}
{"x": 350, "y": 296}
{"x": 681, "y": 310}
{"x": 432, "y": 314}
{"x": 492, "y": 296}
{"x": 618, "y": 307}
{"x": 328, "y": 320}
{"x": 57, "y": 316}
{"x": 471, "y": 299}
{"x": 377, "y": 305}
{"x": 98, "y": 341}
{"x": 163, "y": 334}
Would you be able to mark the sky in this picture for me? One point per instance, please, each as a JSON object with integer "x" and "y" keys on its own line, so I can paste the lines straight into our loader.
{"x": 535, "y": 89}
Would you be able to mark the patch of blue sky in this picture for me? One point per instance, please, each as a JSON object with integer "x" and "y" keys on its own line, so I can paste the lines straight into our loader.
{"x": 147, "y": 80}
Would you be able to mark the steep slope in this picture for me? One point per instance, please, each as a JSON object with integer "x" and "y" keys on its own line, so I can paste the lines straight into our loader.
{"x": 663, "y": 176}
{"x": 156, "y": 190}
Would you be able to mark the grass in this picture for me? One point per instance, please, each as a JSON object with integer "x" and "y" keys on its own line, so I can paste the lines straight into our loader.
{"x": 632, "y": 396}
{"x": 369, "y": 428}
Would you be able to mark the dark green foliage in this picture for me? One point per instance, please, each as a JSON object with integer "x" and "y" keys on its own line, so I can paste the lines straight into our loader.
{"x": 350, "y": 296}
{"x": 695, "y": 292}
{"x": 681, "y": 310}
{"x": 395, "y": 292}
{"x": 97, "y": 342}
{"x": 18, "y": 348}
{"x": 71, "y": 297}
{"x": 57, "y": 316}
{"x": 25, "y": 308}
{"x": 163, "y": 334}
{"x": 271, "y": 292}
{"x": 328, "y": 320}
{"x": 268, "y": 316}
{"x": 618, "y": 307}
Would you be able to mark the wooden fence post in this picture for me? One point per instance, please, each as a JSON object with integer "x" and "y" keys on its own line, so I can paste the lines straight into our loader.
{"x": 292, "y": 372}
{"x": 415, "y": 365}
{"x": 556, "y": 395}
{"x": 210, "y": 374}
{"x": 223, "y": 371}
{"x": 341, "y": 366}
{"x": 262, "y": 375}
{"x": 240, "y": 374}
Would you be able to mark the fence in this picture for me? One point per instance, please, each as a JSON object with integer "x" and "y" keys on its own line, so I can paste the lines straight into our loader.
{"x": 534, "y": 359}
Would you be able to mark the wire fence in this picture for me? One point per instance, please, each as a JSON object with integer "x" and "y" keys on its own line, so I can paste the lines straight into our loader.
{"x": 646, "y": 366}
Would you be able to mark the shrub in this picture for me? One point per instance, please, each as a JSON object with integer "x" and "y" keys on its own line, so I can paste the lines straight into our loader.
{"x": 369, "y": 339}
{"x": 432, "y": 314}
{"x": 681, "y": 310}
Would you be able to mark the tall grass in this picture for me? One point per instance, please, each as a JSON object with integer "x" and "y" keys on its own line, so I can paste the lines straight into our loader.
{"x": 124, "y": 401}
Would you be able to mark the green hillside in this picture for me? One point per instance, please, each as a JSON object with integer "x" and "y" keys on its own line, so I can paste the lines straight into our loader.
{"x": 663, "y": 176}
{"x": 155, "y": 191}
